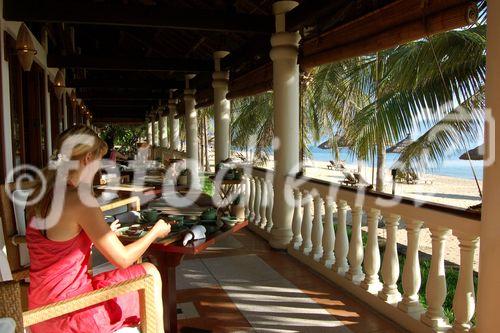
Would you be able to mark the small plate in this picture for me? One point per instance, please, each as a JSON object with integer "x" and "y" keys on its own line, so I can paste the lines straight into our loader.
{"x": 122, "y": 232}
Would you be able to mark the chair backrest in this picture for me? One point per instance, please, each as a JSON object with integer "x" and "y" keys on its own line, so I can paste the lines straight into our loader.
{"x": 14, "y": 222}
{"x": 349, "y": 176}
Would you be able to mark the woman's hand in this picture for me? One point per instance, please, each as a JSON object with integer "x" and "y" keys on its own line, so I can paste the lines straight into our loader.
{"x": 161, "y": 229}
{"x": 115, "y": 225}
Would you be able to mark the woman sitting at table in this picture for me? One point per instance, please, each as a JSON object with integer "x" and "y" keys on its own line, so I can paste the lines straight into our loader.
{"x": 62, "y": 227}
{"x": 112, "y": 153}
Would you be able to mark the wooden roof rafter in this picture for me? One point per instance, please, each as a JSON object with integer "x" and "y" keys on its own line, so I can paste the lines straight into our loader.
{"x": 159, "y": 16}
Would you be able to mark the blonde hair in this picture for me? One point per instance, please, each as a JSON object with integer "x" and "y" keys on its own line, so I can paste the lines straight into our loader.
{"x": 79, "y": 149}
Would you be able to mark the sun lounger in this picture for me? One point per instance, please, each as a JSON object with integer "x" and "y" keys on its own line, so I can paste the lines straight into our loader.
{"x": 339, "y": 166}
{"x": 349, "y": 180}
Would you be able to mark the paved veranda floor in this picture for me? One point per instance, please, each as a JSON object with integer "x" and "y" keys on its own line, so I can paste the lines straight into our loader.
{"x": 242, "y": 285}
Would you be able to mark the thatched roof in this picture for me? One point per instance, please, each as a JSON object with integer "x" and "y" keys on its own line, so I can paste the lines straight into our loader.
{"x": 476, "y": 154}
{"x": 400, "y": 146}
{"x": 328, "y": 144}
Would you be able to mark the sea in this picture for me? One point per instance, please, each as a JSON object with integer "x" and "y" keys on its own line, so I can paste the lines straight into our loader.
{"x": 451, "y": 167}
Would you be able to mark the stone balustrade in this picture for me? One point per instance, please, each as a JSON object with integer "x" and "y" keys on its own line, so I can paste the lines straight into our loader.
{"x": 328, "y": 237}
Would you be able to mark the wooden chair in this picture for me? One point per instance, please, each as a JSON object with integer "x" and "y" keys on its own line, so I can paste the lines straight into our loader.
{"x": 10, "y": 304}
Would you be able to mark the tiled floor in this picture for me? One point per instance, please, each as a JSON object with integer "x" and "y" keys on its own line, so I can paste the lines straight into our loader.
{"x": 242, "y": 285}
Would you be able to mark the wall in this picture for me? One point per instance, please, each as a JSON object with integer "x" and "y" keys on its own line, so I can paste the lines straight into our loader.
{"x": 41, "y": 59}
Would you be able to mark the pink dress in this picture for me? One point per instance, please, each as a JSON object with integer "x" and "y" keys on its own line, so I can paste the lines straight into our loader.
{"x": 59, "y": 270}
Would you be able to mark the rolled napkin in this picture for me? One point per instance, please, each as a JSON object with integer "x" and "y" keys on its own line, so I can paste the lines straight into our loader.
{"x": 7, "y": 325}
{"x": 196, "y": 232}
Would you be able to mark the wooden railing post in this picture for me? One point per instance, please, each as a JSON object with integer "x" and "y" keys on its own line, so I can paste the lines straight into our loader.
{"x": 411, "y": 271}
{"x": 355, "y": 255}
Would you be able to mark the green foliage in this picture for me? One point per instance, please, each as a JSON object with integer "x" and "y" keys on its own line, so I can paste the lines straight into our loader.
{"x": 125, "y": 137}
{"x": 208, "y": 185}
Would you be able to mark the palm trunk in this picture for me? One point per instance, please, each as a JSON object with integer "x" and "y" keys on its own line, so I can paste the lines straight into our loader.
{"x": 380, "y": 146}
{"x": 380, "y": 166}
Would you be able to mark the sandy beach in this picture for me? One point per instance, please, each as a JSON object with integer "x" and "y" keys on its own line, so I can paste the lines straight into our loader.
{"x": 457, "y": 192}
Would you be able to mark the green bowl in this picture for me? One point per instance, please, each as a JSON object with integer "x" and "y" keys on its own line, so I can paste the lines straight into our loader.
{"x": 149, "y": 216}
{"x": 209, "y": 214}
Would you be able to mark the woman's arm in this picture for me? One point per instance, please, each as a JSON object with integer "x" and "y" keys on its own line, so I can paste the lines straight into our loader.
{"x": 106, "y": 241}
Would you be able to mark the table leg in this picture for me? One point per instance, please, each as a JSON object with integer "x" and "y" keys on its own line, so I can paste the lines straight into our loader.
{"x": 167, "y": 263}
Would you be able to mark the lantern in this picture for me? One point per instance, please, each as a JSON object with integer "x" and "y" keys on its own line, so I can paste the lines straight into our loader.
{"x": 25, "y": 48}
{"x": 59, "y": 85}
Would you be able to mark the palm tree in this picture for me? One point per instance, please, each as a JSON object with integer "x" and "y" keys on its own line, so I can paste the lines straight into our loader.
{"x": 411, "y": 87}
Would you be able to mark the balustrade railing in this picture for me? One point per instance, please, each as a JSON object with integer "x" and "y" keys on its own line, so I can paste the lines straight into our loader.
{"x": 328, "y": 237}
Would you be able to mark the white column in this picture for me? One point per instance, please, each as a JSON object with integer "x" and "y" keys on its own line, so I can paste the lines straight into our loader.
{"x": 160, "y": 128}
{"x": 256, "y": 207}
{"x": 297, "y": 220}
{"x": 329, "y": 234}
{"x": 65, "y": 112}
{"x": 306, "y": 227}
{"x": 164, "y": 125}
{"x": 286, "y": 122}
{"x": 191, "y": 133}
{"x": 149, "y": 130}
{"x": 488, "y": 319}
{"x": 317, "y": 230}
{"x": 154, "y": 129}
{"x": 222, "y": 108}
{"x": 341, "y": 241}
{"x": 435, "y": 290}
{"x": 355, "y": 255}
{"x": 411, "y": 271}
{"x": 173, "y": 123}
{"x": 251, "y": 201}
{"x": 270, "y": 201}
{"x": 263, "y": 203}
{"x": 464, "y": 299}
{"x": 371, "y": 264}
{"x": 390, "y": 265}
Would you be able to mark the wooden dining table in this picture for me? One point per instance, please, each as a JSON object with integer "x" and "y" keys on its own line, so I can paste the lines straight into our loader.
{"x": 168, "y": 254}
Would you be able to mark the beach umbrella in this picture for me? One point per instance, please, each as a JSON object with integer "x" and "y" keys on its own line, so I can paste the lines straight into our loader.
{"x": 476, "y": 154}
{"x": 328, "y": 144}
{"x": 400, "y": 146}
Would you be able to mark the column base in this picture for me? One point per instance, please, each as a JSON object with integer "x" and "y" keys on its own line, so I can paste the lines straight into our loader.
{"x": 411, "y": 307}
{"x": 280, "y": 238}
{"x": 327, "y": 261}
{"x": 435, "y": 322}
{"x": 371, "y": 284}
{"x": 391, "y": 296}
{"x": 356, "y": 276}
{"x": 316, "y": 254}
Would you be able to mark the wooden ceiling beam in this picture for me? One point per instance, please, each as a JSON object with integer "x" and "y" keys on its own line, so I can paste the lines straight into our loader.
{"x": 125, "y": 84}
{"x": 157, "y": 16}
{"x": 129, "y": 63}
{"x": 121, "y": 96}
